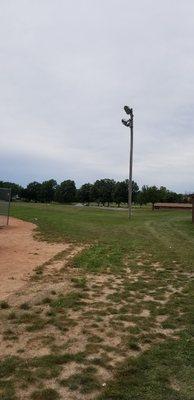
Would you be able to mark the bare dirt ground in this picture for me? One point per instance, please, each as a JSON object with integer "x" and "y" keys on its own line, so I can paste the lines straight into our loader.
{"x": 78, "y": 327}
{"x": 20, "y": 253}
{"x": 67, "y": 329}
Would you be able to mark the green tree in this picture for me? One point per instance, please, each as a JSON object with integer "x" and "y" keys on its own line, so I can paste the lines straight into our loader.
{"x": 135, "y": 192}
{"x": 172, "y": 197}
{"x": 24, "y": 195}
{"x": 16, "y": 189}
{"x": 162, "y": 194}
{"x": 121, "y": 192}
{"x": 47, "y": 192}
{"x": 66, "y": 192}
{"x": 142, "y": 196}
{"x": 104, "y": 191}
{"x": 150, "y": 194}
{"x": 85, "y": 193}
{"x": 33, "y": 191}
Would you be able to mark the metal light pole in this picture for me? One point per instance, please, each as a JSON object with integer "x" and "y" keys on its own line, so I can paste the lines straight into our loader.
{"x": 129, "y": 123}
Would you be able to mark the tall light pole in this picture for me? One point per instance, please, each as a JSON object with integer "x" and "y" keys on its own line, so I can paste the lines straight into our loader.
{"x": 129, "y": 123}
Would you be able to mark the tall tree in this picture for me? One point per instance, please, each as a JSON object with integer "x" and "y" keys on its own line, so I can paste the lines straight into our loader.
{"x": 33, "y": 191}
{"x": 47, "y": 192}
{"x": 104, "y": 190}
{"x": 85, "y": 193}
{"x": 172, "y": 197}
{"x": 162, "y": 194}
{"x": 16, "y": 189}
{"x": 121, "y": 192}
{"x": 66, "y": 192}
{"x": 150, "y": 194}
{"x": 135, "y": 192}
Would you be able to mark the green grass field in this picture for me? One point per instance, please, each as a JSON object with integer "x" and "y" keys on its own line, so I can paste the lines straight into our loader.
{"x": 138, "y": 276}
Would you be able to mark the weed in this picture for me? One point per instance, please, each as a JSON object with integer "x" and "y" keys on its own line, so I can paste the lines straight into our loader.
{"x": 95, "y": 339}
{"x": 50, "y": 360}
{"x": 33, "y": 321}
{"x": 7, "y": 391}
{"x": 133, "y": 345}
{"x": 9, "y": 335}
{"x": 9, "y": 365}
{"x": 85, "y": 381}
{"x": 46, "y": 300}
{"x": 135, "y": 330}
{"x": 45, "y": 394}
{"x": 38, "y": 272}
{"x": 4, "y": 305}
{"x": 12, "y": 315}
{"x": 25, "y": 306}
{"x": 79, "y": 282}
{"x": 71, "y": 300}
{"x": 53, "y": 372}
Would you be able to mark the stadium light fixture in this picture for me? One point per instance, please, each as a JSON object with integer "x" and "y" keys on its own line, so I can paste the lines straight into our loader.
{"x": 128, "y": 110}
{"x": 124, "y": 122}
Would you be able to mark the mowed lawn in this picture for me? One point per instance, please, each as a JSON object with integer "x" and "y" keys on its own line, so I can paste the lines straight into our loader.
{"x": 132, "y": 298}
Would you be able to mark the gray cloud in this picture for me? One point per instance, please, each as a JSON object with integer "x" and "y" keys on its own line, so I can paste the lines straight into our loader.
{"x": 66, "y": 70}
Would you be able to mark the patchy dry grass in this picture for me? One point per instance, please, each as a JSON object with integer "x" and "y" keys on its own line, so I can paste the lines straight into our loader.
{"x": 92, "y": 321}
{"x": 109, "y": 321}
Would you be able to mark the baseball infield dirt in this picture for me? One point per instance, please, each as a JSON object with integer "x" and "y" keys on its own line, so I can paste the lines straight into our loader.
{"x": 20, "y": 254}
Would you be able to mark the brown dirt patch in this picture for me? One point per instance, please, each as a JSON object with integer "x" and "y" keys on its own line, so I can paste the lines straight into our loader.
{"x": 20, "y": 253}
{"x": 110, "y": 315}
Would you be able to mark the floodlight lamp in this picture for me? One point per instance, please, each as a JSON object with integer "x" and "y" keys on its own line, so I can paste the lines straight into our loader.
{"x": 128, "y": 110}
{"x": 126, "y": 123}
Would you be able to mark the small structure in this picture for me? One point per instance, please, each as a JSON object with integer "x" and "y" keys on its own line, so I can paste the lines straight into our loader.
{"x": 173, "y": 206}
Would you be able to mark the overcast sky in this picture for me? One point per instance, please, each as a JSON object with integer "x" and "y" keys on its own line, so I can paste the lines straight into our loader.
{"x": 67, "y": 68}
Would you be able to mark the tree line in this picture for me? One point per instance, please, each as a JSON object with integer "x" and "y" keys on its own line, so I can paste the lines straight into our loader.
{"x": 103, "y": 192}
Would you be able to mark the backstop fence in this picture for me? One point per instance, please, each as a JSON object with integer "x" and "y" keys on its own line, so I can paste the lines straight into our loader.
{"x": 5, "y": 198}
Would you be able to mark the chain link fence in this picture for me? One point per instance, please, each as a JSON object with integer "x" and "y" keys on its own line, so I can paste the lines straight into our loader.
{"x": 5, "y": 197}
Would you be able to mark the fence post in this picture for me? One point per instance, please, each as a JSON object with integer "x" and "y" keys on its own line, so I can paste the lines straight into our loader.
{"x": 8, "y": 211}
